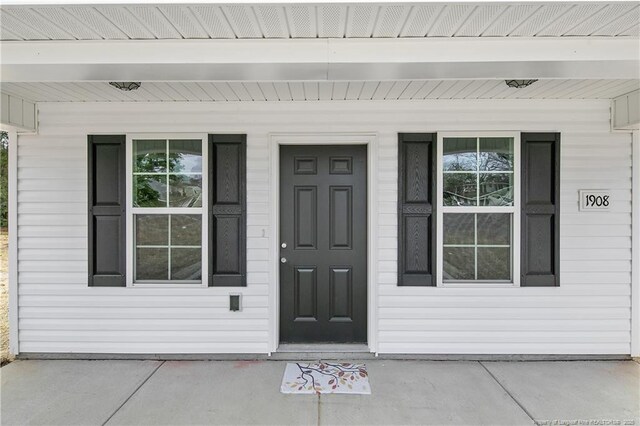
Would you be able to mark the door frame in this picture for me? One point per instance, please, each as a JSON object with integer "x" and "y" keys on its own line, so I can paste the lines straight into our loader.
{"x": 370, "y": 139}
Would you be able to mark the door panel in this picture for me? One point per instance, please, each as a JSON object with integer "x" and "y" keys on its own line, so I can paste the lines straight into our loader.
{"x": 323, "y": 223}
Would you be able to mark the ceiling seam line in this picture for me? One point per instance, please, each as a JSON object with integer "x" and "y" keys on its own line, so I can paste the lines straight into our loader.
{"x": 244, "y": 87}
{"x": 617, "y": 17}
{"x": 524, "y": 21}
{"x": 375, "y": 21}
{"x": 26, "y": 25}
{"x": 72, "y": 89}
{"x": 461, "y": 89}
{"x": 257, "y": 21}
{"x": 139, "y": 20}
{"x": 548, "y": 87}
{"x": 170, "y": 23}
{"x": 229, "y": 23}
{"x": 571, "y": 87}
{"x": 86, "y": 89}
{"x": 286, "y": 22}
{"x": 188, "y": 89}
{"x": 612, "y": 87}
{"x": 33, "y": 91}
{"x": 405, "y": 22}
{"x": 360, "y": 91}
{"x": 197, "y": 17}
{"x": 493, "y": 21}
{"x": 464, "y": 20}
{"x": 261, "y": 91}
{"x": 435, "y": 19}
{"x": 553, "y": 21}
{"x": 578, "y": 87}
{"x": 17, "y": 37}
{"x": 56, "y": 92}
{"x": 582, "y": 21}
{"x": 203, "y": 90}
{"x": 419, "y": 89}
{"x": 346, "y": 21}
{"x": 620, "y": 34}
{"x": 117, "y": 27}
{"x": 198, "y": 21}
{"x": 44, "y": 18}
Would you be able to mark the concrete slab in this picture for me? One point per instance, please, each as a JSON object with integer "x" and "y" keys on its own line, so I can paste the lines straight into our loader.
{"x": 573, "y": 391}
{"x": 425, "y": 392}
{"x": 68, "y": 392}
{"x": 217, "y": 392}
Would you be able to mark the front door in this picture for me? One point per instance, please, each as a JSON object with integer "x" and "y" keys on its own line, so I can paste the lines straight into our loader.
{"x": 323, "y": 243}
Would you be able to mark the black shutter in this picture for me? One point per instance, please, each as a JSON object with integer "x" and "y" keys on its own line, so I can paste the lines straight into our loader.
{"x": 416, "y": 209}
{"x": 107, "y": 192}
{"x": 227, "y": 211}
{"x": 540, "y": 218}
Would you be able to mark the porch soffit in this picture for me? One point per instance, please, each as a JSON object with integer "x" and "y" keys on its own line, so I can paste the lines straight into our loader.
{"x": 255, "y": 91}
{"x": 321, "y": 20}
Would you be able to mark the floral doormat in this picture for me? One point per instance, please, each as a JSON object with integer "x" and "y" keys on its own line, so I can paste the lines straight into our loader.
{"x": 325, "y": 377}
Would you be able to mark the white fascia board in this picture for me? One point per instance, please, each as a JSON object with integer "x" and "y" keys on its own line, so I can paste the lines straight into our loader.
{"x": 319, "y": 59}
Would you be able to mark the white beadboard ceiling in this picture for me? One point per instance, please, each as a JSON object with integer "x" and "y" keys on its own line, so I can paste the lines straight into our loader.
{"x": 360, "y": 20}
{"x": 324, "y": 90}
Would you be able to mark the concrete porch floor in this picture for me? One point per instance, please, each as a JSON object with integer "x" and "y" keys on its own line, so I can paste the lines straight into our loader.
{"x": 247, "y": 392}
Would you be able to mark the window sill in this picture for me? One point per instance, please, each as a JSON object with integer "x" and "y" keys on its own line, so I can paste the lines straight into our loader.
{"x": 167, "y": 285}
{"x": 478, "y": 285}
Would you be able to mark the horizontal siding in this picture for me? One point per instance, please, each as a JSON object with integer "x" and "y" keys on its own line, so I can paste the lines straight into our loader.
{"x": 589, "y": 313}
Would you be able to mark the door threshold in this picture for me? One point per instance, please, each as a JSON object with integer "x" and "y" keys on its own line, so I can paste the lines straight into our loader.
{"x": 322, "y": 351}
{"x": 323, "y": 348}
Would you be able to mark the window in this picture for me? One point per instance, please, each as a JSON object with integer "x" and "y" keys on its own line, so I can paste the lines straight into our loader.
{"x": 478, "y": 207}
{"x": 166, "y": 227}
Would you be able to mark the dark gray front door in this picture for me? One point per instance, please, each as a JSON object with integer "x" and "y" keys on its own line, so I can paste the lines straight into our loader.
{"x": 323, "y": 237}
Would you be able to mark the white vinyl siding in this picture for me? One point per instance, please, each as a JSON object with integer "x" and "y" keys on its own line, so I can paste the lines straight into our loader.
{"x": 588, "y": 314}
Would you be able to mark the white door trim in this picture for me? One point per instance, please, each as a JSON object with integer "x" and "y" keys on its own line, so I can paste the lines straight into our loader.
{"x": 635, "y": 248}
{"x": 371, "y": 140}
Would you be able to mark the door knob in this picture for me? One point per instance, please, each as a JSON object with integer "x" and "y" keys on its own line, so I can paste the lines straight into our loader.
{"x": 283, "y": 245}
{"x": 283, "y": 260}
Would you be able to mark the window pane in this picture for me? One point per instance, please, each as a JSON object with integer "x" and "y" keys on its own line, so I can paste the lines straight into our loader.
{"x": 152, "y": 230}
{"x": 494, "y": 229}
{"x": 186, "y": 230}
{"x": 185, "y": 156}
{"x": 150, "y": 156}
{"x": 149, "y": 191}
{"x": 186, "y": 264}
{"x": 496, "y": 154}
{"x": 459, "y": 154}
{"x": 185, "y": 191}
{"x": 459, "y": 228}
{"x": 152, "y": 264}
{"x": 459, "y": 189}
{"x": 494, "y": 263}
{"x": 458, "y": 263}
{"x": 496, "y": 189}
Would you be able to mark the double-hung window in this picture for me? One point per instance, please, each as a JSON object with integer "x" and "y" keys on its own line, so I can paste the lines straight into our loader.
{"x": 478, "y": 205}
{"x": 166, "y": 224}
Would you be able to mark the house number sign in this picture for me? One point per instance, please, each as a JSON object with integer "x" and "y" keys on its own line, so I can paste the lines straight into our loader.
{"x": 595, "y": 200}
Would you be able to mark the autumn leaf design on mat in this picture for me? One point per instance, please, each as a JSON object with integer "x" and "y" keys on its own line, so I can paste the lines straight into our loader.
{"x": 325, "y": 377}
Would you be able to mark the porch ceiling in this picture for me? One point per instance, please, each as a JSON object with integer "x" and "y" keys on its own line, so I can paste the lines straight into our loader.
{"x": 322, "y": 90}
{"x": 361, "y": 20}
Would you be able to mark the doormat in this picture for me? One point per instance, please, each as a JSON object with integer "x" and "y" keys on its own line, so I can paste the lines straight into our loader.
{"x": 325, "y": 377}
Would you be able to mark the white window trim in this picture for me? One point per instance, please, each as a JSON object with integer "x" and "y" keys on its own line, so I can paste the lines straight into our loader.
{"x": 130, "y": 240}
{"x": 515, "y": 255}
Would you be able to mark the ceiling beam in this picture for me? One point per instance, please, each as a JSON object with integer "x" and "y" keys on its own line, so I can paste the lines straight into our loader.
{"x": 320, "y": 59}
